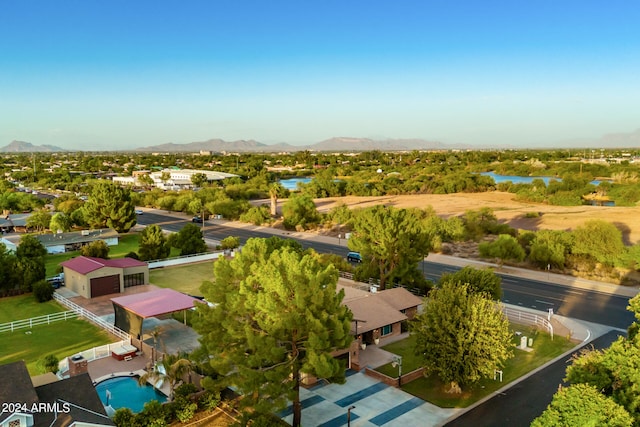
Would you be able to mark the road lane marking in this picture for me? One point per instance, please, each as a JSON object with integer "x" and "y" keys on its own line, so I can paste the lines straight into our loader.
{"x": 545, "y": 302}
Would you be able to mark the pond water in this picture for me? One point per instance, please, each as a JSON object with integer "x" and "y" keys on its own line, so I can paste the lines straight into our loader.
{"x": 291, "y": 184}
{"x": 124, "y": 392}
{"x": 523, "y": 179}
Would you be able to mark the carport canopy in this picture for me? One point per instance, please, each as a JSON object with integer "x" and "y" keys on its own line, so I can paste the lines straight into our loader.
{"x": 131, "y": 310}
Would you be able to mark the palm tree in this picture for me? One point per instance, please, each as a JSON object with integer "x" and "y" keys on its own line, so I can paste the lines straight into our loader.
{"x": 276, "y": 190}
{"x": 171, "y": 368}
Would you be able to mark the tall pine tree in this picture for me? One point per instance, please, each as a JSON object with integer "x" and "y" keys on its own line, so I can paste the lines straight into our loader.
{"x": 277, "y": 315}
{"x": 110, "y": 205}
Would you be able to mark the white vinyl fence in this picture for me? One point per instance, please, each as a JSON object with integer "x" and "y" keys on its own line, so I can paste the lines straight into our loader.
{"x": 187, "y": 259}
{"x": 35, "y": 321}
{"x": 81, "y": 312}
{"x": 527, "y": 318}
{"x": 94, "y": 353}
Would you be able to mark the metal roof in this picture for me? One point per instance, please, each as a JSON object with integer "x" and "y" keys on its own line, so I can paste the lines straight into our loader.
{"x": 85, "y": 264}
{"x": 155, "y": 303}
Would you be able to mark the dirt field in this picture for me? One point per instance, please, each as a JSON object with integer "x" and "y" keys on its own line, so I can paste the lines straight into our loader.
{"x": 627, "y": 219}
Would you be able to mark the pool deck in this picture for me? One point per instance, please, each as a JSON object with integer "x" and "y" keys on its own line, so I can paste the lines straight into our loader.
{"x": 108, "y": 367}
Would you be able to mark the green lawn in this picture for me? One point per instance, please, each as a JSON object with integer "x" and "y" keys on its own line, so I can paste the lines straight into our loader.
{"x": 431, "y": 388}
{"x": 126, "y": 243}
{"x": 185, "y": 278}
{"x": 62, "y": 339}
{"x": 25, "y": 307}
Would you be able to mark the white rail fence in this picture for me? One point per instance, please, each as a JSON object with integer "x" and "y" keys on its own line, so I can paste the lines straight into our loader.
{"x": 187, "y": 259}
{"x": 94, "y": 353}
{"x": 527, "y": 318}
{"x": 39, "y": 320}
{"x": 92, "y": 317}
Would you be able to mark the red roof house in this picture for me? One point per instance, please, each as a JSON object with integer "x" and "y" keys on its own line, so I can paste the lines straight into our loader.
{"x": 92, "y": 277}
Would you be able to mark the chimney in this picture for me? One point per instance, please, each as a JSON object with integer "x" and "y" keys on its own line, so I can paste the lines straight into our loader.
{"x": 78, "y": 365}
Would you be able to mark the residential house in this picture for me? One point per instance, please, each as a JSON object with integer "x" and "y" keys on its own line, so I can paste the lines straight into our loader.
{"x": 92, "y": 277}
{"x": 71, "y": 402}
{"x": 66, "y": 242}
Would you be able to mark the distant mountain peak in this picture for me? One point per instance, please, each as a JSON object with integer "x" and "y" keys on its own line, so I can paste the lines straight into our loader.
{"x": 342, "y": 143}
{"x": 27, "y": 147}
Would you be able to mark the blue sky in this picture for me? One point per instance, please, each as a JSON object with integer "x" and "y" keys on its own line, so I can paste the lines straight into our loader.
{"x": 122, "y": 74}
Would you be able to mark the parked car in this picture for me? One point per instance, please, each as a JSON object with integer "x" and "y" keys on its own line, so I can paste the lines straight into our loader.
{"x": 197, "y": 219}
{"x": 354, "y": 257}
{"x": 139, "y": 212}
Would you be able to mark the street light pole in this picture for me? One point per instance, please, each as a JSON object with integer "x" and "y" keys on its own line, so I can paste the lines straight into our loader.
{"x": 397, "y": 361}
{"x": 349, "y": 415}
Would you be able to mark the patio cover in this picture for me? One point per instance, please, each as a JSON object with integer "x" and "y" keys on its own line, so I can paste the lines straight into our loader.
{"x": 131, "y": 310}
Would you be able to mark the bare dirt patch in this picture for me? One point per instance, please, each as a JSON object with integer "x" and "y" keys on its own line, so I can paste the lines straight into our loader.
{"x": 506, "y": 209}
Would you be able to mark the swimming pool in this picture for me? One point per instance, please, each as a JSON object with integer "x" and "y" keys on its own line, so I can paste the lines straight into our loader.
{"x": 124, "y": 392}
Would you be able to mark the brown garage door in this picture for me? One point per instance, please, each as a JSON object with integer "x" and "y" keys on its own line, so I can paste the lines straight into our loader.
{"x": 105, "y": 285}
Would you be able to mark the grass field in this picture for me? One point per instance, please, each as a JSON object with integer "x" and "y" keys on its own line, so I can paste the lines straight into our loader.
{"x": 186, "y": 278}
{"x": 432, "y": 389}
{"x": 62, "y": 339}
{"x": 25, "y": 307}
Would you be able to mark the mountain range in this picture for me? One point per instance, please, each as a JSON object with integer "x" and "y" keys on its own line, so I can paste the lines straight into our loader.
{"x": 27, "y": 147}
{"x": 612, "y": 140}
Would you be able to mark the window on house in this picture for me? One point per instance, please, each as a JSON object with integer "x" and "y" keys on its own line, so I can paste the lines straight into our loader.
{"x": 14, "y": 423}
{"x": 386, "y": 330}
{"x": 133, "y": 280}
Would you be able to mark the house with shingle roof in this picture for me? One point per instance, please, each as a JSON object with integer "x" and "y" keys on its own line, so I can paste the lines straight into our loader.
{"x": 91, "y": 277}
{"x": 69, "y": 402}
{"x": 379, "y": 314}
{"x": 66, "y": 242}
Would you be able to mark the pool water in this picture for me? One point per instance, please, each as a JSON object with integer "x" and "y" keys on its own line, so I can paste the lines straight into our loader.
{"x": 126, "y": 393}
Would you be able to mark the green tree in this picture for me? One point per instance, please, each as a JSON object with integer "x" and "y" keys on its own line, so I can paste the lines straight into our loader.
{"x": 39, "y": 220}
{"x": 96, "y": 249}
{"x": 60, "y": 222}
{"x": 583, "y": 405}
{"x": 110, "y": 206}
{"x": 600, "y": 240}
{"x": 8, "y": 269}
{"x": 66, "y": 205}
{"x": 277, "y": 315}
{"x": 391, "y": 242}
{"x": 230, "y": 242}
{"x": 124, "y": 417}
{"x": 153, "y": 243}
{"x": 614, "y": 370}
{"x": 505, "y": 247}
{"x": 170, "y": 369}
{"x": 549, "y": 248}
{"x": 49, "y": 363}
{"x": 30, "y": 261}
{"x": 256, "y": 215}
{"x": 299, "y": 211}
{"x": 78, "y": 218}
{"x": 478, "y": 280}
{"x": 43, "y": 291}
{"x": 462, "y": 336}
{"x": 276, "y": 190}
{"x": 198, "y": 179}
{"x": 189, "y": 240}
{"x": 145, "y": 180}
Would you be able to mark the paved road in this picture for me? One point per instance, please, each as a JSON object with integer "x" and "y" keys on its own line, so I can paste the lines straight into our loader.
{"x": 523, "y": 402}
{"x": 582, "y": 304}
